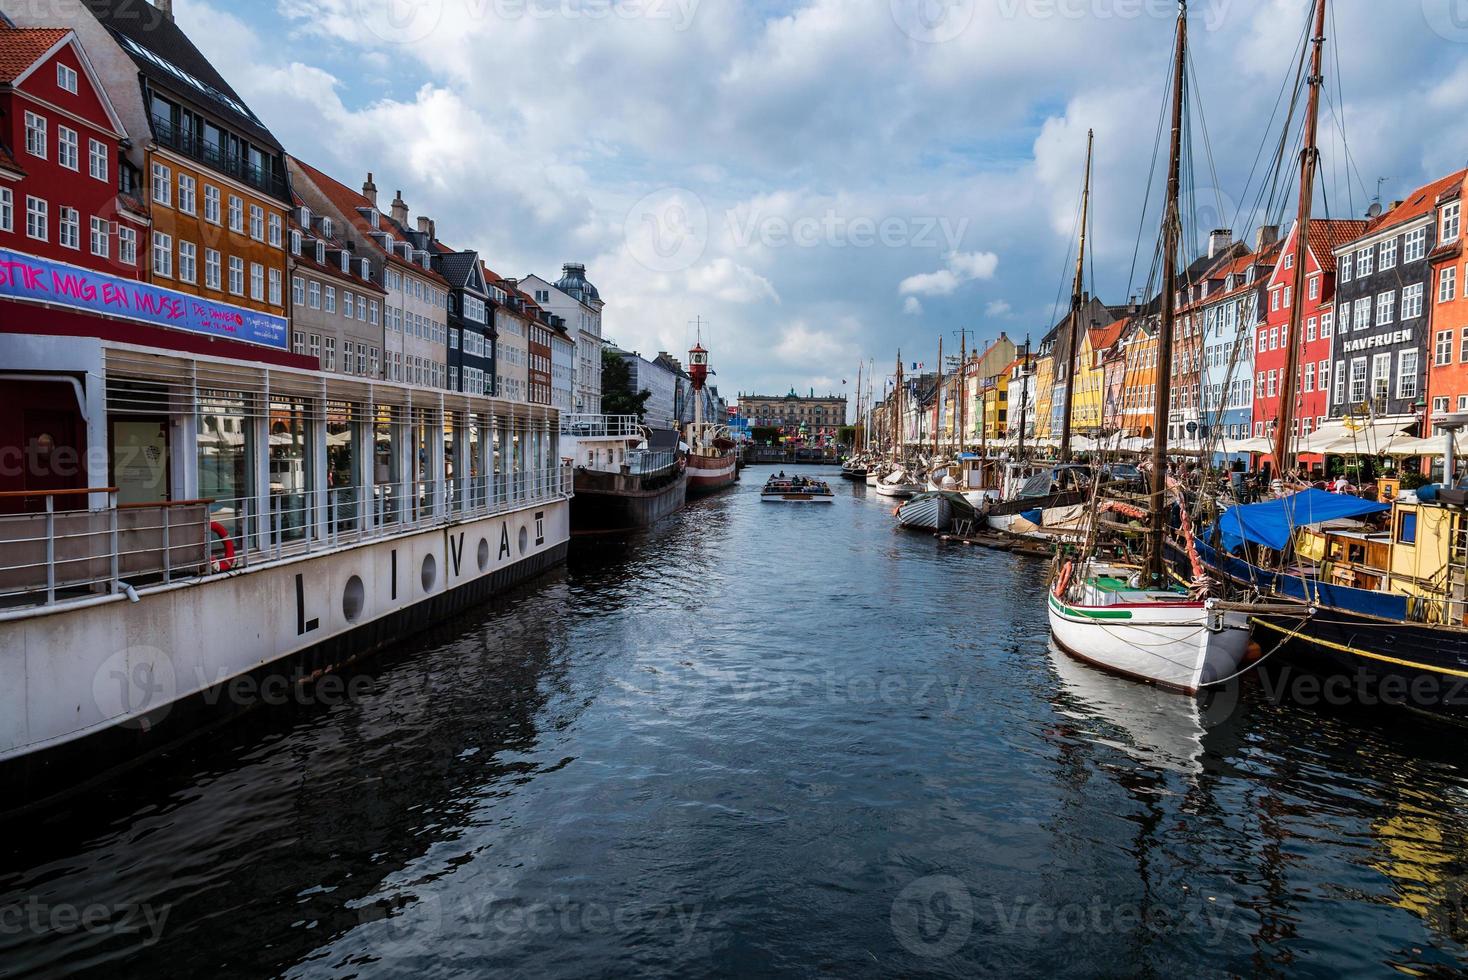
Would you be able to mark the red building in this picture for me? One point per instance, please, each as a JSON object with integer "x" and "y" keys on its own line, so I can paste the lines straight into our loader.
{"x": 60, "y": 150}
{"x": 1312, "y": 400}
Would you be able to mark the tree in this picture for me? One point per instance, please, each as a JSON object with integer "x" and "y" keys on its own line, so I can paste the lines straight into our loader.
{"x": 616, "y": 388}
{"x": 767, "y": 435}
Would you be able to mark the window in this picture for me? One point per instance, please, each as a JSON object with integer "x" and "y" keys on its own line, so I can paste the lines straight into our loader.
{"x": 372, "y": 312}
{"x": 1450, "y": 222}
{"x": 1347, "y": 265}
{"x": 1388, "y": 255}
{"x": 211, "y": 204}
{"x": 275, "y": 298}
{"x": 1273, "y": 338}
{"x": 1358, "y": 379}
{"x": 1407, "y": 527}
{"x": 348, "y": 304}
{"x": 314, "y": 294}
{"x": 330, "y": 360}
{"x": 1273, "y": 383}
{"x": 1381, "y": 376}
{"x": 1323, "y": 377}
{"x": 1309, "y": 377}
{"x": 1386, "y": 307}
{"x": 37, "y": 219}
{"x": 1447, "y": 284}
{"x": 7, "y": 209}
{"x": 298, "y": 343}
{"x": 127, "y": 246}
{"x": 1288, "y": 294}
{"x": 212, "y": 269}
{"x": 295, "y": 242}
{"x": 69, "y": 227}
{"x": 1462, "y": 403}
{"x": 1362, "y": 314}
{"x": 236, "y": 275}
{"x": 1412, "y": 301}
{"x": 188, "y": 262}
{"x": 1415, "y": 246}
{"x": 67, "y": 143}
{"x": 257, "y": 282}
{"x": 316, "y": 346}
{"x": 1365, "y": 258}
{"x": 1442, "y": 348}
{"x": 276, "y": 229}
{"x": 1310, "y": 326}
{"x": 362, "y": 308}
{"x": 162, "y": 185}
{"x": 97, "y": 159}
{"x": 330, "y": 305}
{"x": 187, "y": 194}
{"x": 162, "y": 254}
{"x": 1407, "y": 374}
{"x": 1439, "y": 405}
{"x": 257, "y": 222}
{"x": 298, "y": 290}
{"x": 236, "y": 214}
{"x": 320, "y": 252}
{"x": 66, "y": 78}
{"x": 35, "y": 135}
{"x": 348, "y": 349}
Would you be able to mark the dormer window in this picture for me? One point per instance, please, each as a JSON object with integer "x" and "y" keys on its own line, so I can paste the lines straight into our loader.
{"x": 346, "y": 260}
{"x": 321, "y": 252}
{"x": 326, "y": 227}
{"x": 305, "y": 216}
{"x": 295, "y": 242}
{"x": 366, "y": 270}
{"x": 1451, "y": 222}
{"x": 388, "y": 243}
{"x": 374, "y": 217}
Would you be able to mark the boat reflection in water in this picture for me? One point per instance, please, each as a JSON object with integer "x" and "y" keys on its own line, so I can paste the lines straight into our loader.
{"x": 1148, "y": 723}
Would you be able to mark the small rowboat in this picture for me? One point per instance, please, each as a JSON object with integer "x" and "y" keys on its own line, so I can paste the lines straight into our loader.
{"x": 797, "y": 490}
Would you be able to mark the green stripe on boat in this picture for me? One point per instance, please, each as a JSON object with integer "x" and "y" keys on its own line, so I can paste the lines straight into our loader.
{"x": 1089, "y": 613}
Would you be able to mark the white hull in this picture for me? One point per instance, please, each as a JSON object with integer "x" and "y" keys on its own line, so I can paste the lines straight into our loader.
{"x": 1184, "y": 646}
{"x": 900, "y": 490}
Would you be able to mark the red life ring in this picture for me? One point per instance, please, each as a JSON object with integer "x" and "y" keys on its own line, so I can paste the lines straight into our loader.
{"x": 1064, "y": 579}
{"x": 220, "y": 531}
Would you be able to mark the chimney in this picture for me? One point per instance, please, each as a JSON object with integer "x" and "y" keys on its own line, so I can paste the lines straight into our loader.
{"x": 400, "y": 210}
{"x": 1395, "y": 205}
{"x": 1268, "y": 235}
{"x": 1218, "y": 240}
{"x": 369, "y": 190}
{"x": 165, "y": 7}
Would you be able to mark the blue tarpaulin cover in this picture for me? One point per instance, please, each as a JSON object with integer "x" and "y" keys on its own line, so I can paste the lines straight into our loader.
{"x": 1274, "y": 522}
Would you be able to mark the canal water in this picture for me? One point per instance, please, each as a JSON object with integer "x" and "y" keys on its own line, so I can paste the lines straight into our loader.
{"x": 760, "y": 740}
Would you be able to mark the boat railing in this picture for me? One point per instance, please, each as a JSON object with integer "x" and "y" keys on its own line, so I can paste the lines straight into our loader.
{"x": 601, "y": 426}
{"x": 57, "y": 552}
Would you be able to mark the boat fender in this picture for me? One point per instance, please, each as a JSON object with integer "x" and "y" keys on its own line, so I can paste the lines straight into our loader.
{"x": 1064, "y": 580}
{"x": 1253, "y": 652}
{"x": 227, "y": 562}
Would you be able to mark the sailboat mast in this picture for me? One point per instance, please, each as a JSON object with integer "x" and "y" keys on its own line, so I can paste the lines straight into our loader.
{"x": 899, "y": 450}
{"x": 1024, "y": 398}
{"x": 1076, "y": 299}
{"x": 962, "y": 389}
{"x": 1171, "y": 234}
{"x": 937, "y": 397}
{"x": 1309, "y": 162}
{"x": 857, "y": 418}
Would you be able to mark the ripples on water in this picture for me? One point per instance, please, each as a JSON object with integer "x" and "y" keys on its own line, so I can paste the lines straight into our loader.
{"x": 760, "y": 739}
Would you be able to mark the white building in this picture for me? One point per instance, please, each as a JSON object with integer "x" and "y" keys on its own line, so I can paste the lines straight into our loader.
{"x": 644, "y": 375}
{"x": 575, "y": 300}
{"x": 563, "y": 369}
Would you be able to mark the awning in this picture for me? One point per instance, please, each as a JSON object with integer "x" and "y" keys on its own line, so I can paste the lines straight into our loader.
{"x": 1352, "y": 437}
{"x": 1274, "y": 522}
{"x": 1259, "y": 445}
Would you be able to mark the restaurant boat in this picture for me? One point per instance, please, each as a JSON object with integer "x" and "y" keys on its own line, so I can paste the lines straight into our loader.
{"x": 711, "y": 457}
{"x": 627, "y": 476}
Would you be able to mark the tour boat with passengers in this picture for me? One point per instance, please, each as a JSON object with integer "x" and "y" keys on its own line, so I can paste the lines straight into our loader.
{"x": 780, "y": 489}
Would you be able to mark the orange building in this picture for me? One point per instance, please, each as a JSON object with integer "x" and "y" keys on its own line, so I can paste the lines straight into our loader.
{"x": 1447, "y": 371}
{"x": 1139, "y": 382}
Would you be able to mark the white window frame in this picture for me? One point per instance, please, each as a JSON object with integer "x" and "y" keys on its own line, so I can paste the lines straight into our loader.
{"x": 188, "y": 262}
{"x": 236, "y": 276}
{"x": 127, "y": 246}
{"x": 162, "y": 184}
{"x": 211, "y": 204}
{"x": 37, "y": 218}
{"x": 213, "y": 269}
{"x": 188, "y": 194}
{"x": 1407, "y": 367}
{"x": 7, "y": 209}
{"x": 1450, "y": 224}
{"x": 69, "y": 228}
{"x": 1388, "y": 257}
{"x": 37, "y": 135}
{"x": 99, "y": 158}
{"x": 68, "y": 148}
{"x": 162, "y": 255}
{"x": 67, "y": 79}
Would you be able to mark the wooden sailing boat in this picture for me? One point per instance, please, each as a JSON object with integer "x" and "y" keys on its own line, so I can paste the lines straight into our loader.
{"x": 1125, "y": 619}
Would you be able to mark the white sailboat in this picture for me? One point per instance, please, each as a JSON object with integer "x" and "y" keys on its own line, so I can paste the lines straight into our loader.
{"x": 1131, "y": 620}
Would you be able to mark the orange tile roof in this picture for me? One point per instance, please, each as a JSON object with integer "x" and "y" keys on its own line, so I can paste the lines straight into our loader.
{"x": 1327, "y": 235}
{"x": 1420, "y": 202}
{"x": 1104, "y": 337}
{"x": 20, "y": 48}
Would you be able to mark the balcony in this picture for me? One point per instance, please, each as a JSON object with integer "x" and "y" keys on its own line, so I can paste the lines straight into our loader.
{"x": 193, "y": 146}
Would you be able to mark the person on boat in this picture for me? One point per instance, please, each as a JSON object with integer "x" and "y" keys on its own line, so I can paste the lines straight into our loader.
{"x": 1340, "y": 485}
{"x": 782, "y": 474}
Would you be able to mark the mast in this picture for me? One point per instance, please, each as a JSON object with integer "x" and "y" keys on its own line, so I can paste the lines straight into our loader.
{"x": 1309, "y": 161}
{"x": 1024, "y": 398}
{"x": 963, "y": 389}
{"x": 898, "y": 422}
{"x": 1171, "y": 233}
{"x": 857, "y": 418}
{"x": 937, "y": 397}
{"x": 1075, "y": 306}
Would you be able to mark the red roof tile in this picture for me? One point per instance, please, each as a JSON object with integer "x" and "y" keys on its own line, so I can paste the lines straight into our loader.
{"x": 1329, "y": 234}
{"x": 1420, "y": 202}
{"x": 20, "y": 48}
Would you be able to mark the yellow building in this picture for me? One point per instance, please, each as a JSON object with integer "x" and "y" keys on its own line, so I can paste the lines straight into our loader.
{"x": 1044, "y": 395}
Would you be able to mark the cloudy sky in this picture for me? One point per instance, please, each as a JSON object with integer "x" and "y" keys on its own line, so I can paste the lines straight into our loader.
{"x": 823, "y": 181}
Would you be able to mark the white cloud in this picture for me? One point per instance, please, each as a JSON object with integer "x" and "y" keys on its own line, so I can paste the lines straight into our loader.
{"x": 998, "y": 308}
{"x": 912, "y": 307}
{"x": 962, "y": 267}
